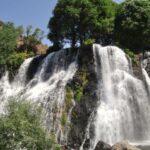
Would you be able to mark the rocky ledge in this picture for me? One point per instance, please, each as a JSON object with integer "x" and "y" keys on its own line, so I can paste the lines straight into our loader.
{"x": 118, "y": 146}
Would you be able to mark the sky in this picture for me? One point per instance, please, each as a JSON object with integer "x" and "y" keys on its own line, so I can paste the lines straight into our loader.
{"x": 28, "y": 12}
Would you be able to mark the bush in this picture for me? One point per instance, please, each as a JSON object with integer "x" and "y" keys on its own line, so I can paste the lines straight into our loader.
{"x": 78, "y": 93}
{"x": 20, "y": 128}
{"x": 15, "y": 60}
{"x": 8, "y": 41}
{"x": 89, "y": 42}
{"x": 131, "y": 55}
{"x": 63, "y": 119}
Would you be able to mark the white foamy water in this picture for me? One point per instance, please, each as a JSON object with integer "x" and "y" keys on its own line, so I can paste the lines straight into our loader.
{"x": 123, "y": 111}
{"x": 47, "y": 88}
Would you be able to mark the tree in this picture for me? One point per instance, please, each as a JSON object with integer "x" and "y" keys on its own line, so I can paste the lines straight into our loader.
{"x": 31, "y": 38}
{"x": 104, "y": 26}
{"x": 132, "y": 24}
{"x": 20, "y": 128}
{"x": 8, "y": 41}
{"x": 76, "y": 21}
{"x": 62, "y": 25}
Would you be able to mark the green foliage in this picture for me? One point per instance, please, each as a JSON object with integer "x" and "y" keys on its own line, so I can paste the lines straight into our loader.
{"x": 32, "y": 38}
{"x": 63, "y": 119}
{"x": 132, "y": 24}
{"x": 20, "y": 128}
{"x": 68, "y": 98}
{"x": 78, "y": 92}
{"x": 8, "y": 38}
{"x": 17, "y": 44}
{"x": 15, "y": 60}
{"x": 89, "y": 42}
{"x": 57, "y": 147}
{"x": 76, "y": 21}
{"x": 131, "y": 54}
{"x": 79, "y": 88}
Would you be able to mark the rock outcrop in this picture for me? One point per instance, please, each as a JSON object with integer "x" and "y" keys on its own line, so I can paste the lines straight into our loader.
{"x": 84, "y": 88}
{"x": 102, "y": 146}
{"x": 146, "y": 62}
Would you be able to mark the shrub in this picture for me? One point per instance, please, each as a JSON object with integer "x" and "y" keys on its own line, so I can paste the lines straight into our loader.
{"x": 20, "y": 128}
{"x": 89, "y": 42}
{"x": 63, "y": 119}
{"x": 78, "y": 93}
{"x": 131, "y": 55}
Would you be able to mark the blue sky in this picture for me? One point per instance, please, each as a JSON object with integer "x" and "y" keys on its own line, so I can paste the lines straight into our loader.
{"x": 28, "y": 12}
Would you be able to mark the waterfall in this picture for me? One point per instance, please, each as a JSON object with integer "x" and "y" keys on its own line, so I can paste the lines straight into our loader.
{"x": 123, "y": 107}
{"x": 123, "y": 111}
{"x": 46, "y": 88}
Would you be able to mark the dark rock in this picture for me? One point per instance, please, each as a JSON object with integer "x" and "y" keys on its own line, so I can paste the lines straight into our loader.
{"x": 146, "y": 62}
{"x": 86, "y": 144}
{"x": 137, "y": 71}
{"x": 33, "y": 67}
{"x": 88, "y": 102}
{"x": 148, "y": 66}
{"x": 102, "y": 146}
{"x": 2, "y": 71}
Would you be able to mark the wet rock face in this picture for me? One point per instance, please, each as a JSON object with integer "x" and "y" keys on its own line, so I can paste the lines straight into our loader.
{"x": 146, "y": 62}
{"x": 2, "y": 71}
{"x": 85, "y": 97}
{"x": 137, "y": 71}
{"x": 33, "y": 67}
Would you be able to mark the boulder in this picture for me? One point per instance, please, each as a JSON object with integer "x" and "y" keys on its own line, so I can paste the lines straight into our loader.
{"x": 102, "y": 146}
{"x": 124, "y": 146}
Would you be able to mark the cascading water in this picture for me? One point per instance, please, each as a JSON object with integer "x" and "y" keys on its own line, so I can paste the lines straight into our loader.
{"x": 123, "y": 111}
{"x": 47, "y": 88}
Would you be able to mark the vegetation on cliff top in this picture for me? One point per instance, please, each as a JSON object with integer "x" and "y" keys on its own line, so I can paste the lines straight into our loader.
{"x": 106, "y": 22}
{"x": 17, "y": 44}
{"x": 75, "y": 21}
{"x": 132, "y": 24}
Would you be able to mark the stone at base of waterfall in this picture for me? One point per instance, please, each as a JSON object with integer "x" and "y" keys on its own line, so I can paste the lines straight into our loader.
{"x": 124, "y": 146}
{"x": 118, "y": 146}
{"x": 102, "y": 146}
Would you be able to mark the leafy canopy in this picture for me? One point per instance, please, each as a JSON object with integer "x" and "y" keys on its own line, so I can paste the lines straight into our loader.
{"x": 76, "y": 21}
{"x": 17, "y": 44}
{"x": 8, "y": 38}
{"x": 132, "y": 24}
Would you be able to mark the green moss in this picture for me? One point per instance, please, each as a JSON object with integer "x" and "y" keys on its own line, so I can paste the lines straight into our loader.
{"x": 78, "y": 93}
{"x": 63, "y": 119}
{"x": 74, "y": 114}
{"x": 79, "y": 88}
{"x": 89, "y": 41}
{"x": 57, "y": 147}
{"x": 69, "y": 97}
